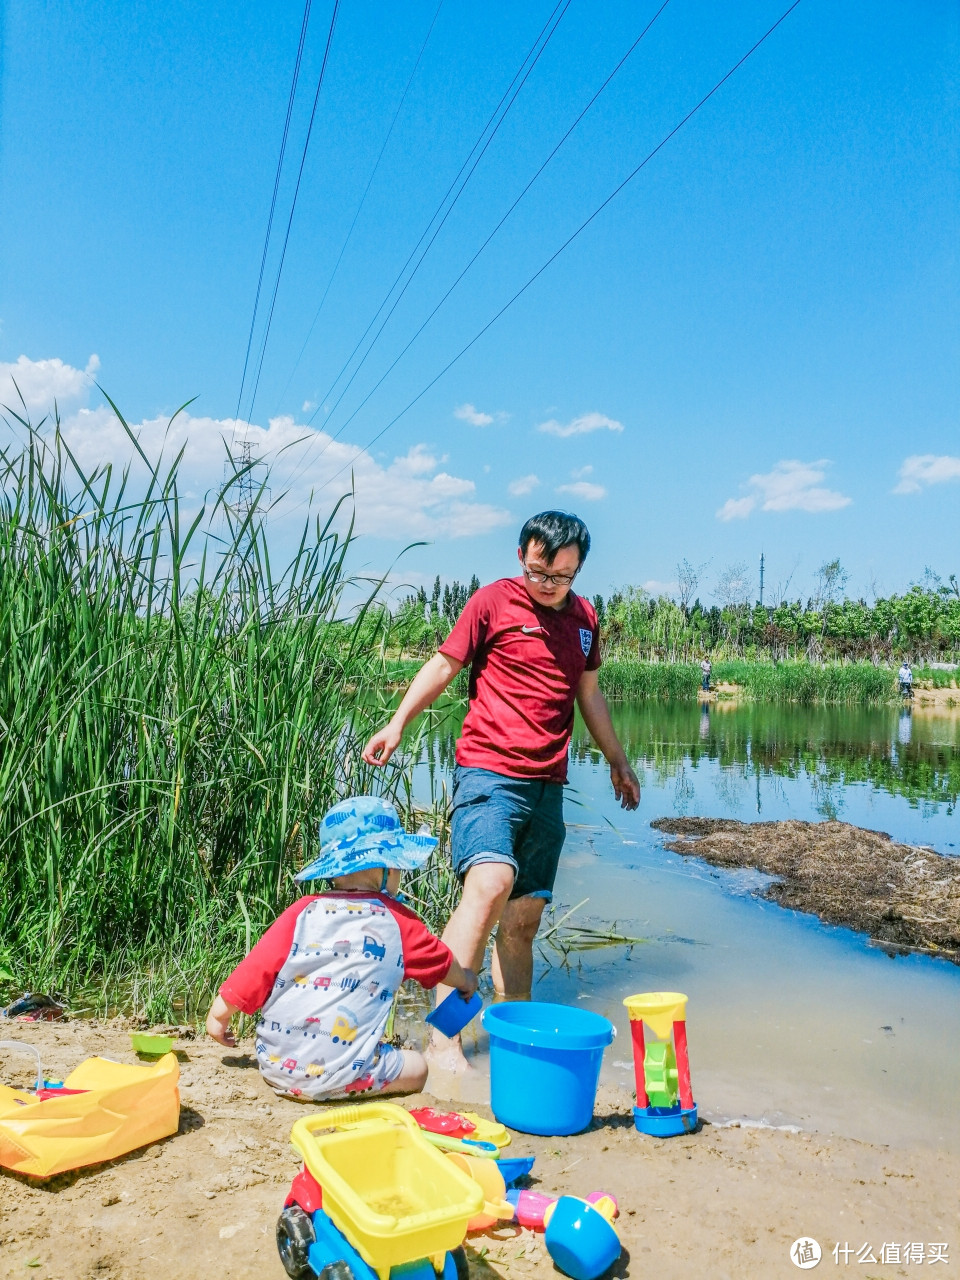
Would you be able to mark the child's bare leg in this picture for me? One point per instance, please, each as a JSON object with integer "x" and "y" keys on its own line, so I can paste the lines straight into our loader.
{"x": 413, "y": 1076}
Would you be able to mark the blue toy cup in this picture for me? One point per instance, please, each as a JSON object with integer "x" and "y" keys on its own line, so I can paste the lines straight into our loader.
{"x": 545, "y": 1065}
{"x": 580, "y": 1240}
{"x": 452, "y": 1014}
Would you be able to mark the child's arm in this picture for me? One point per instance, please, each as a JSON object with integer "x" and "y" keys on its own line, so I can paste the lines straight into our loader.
{"x": 218, "y": 1022}
{"x": 251, "y": 982}
{"x": 463, "y": 980}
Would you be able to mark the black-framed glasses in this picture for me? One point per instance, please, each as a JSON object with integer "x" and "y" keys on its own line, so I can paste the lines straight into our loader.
{"x": 558, "y": 579}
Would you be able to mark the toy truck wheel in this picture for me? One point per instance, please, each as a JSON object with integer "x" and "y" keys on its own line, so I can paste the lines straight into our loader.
{"x": 295, "y": 1235}
{"x": 337, "y": 1271}
{"x": 455, "y": 1265}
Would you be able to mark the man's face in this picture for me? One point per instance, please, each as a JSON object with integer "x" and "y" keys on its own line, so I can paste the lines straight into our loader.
{"x": 552, "y": 595}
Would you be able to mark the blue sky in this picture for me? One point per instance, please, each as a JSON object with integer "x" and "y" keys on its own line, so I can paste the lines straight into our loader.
{"x": 754, "y": 347}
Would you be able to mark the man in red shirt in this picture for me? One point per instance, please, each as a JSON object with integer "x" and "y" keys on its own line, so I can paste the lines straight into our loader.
{"x": 533, "y": 650}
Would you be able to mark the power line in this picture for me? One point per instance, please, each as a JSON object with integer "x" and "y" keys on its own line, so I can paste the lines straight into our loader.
{"x": 343, "y": 247}
{"x": 440, "y": 225}
{"x": 570, "y": 239}
{"x": 521, "y": 75}
{"x": 544, "y": 37}
{"x": 493, "y": 233}
{"x": 293, "y": 206}
{"x": 273, "y": 200}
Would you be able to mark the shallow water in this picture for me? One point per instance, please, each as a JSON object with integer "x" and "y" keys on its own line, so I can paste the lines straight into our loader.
{"x": 790, "y": 1022}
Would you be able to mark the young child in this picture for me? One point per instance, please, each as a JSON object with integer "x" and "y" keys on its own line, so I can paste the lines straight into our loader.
{"x": 325, "y": 973}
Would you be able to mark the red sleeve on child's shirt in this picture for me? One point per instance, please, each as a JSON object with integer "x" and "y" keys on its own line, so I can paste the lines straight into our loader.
{"x": 425, "y": 958}
{"x": 252, "y": 980}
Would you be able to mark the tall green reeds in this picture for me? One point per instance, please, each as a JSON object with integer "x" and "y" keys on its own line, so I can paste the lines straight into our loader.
{"x": 623, "y": 678}
{"x": 175, "y": 715}
{"x": 800, "y": 682}
{"x": 808, "y": 682}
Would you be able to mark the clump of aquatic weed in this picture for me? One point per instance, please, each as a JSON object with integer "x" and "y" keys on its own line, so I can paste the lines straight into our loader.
{"x": 902, "y": 895}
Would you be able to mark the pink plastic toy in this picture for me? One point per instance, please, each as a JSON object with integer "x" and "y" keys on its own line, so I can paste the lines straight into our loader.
{"x": 449, "y": 1123}
{"x": 530, "y": 1207}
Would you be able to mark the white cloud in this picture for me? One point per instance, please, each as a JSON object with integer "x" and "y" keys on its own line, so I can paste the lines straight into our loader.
{"x": 790, "y": 486}
{"x": 926, "y": 468}
{"x": 580, "y": 426}
{"x": 405, "y": 499}
{"x": 580, "y": 472}
{"x": 308, "y": 406}
{"x": 41, "y": 382}
{"x": 583, "y": 489}
{"x": 736, "y": 508}
{"x": 654, "y": 587}
{"x": 470, "y": 413}
{"x": 523, "y": 485}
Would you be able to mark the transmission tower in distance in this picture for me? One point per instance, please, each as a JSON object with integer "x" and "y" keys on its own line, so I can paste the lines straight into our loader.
{"x": 246, "y": 486}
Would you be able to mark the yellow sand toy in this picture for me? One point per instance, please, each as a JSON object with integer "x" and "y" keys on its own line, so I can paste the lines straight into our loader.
{"x": 100, "y": 1111}
{"x": 665, "y": 1105}
{"x": 389, "y": 1199}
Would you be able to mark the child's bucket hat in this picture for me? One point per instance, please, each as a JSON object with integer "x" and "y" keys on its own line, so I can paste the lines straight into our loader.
{"x": 362, "y": 833}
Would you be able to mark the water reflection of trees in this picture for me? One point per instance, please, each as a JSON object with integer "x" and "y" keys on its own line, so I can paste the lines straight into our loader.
{"x": 829, "y": 746}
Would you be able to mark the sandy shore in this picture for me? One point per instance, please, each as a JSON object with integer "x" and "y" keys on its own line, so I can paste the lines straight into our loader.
{"x": 726, "y": 1202}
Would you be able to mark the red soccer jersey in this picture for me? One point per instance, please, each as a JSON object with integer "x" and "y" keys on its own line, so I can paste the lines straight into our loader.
{"x": 527, "y": 661}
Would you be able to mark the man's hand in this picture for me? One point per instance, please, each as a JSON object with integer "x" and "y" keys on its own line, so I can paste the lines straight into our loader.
{"x": 218, "y": 1023}
{"x": 382, "y": 745}
{"x": 626, "y": 785}
{"x": 427, "y": 685}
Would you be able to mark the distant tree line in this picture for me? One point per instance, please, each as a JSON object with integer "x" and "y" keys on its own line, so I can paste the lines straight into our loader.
{"x": 922, "y": 624}
{"x": 424, "y": 621}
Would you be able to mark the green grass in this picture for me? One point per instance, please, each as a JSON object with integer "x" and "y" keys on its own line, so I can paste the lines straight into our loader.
{"x": 175, "y": 716}
{"x": 624, "y": 678}
{"x": 797, "y": 682}
{"x": 936, "y": 677}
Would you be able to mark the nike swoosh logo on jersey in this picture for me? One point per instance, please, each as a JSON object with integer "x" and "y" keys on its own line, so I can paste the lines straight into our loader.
{"x": 530, "y": 631}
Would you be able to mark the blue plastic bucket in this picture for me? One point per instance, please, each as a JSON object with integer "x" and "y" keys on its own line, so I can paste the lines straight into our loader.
{"x": 545, "y": 1065}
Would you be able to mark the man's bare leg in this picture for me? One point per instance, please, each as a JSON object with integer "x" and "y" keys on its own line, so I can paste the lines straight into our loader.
{"x": 513, "y": 949}
{"x": 486, "y": 888}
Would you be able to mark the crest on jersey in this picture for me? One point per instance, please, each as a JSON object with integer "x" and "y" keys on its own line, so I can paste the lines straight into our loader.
{"x": 586, "y": 640}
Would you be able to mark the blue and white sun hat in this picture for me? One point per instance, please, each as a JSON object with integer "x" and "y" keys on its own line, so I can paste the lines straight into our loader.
{"x": 362, "y": 833}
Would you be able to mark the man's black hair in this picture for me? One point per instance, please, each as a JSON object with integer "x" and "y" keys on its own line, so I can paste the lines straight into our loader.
{"x": 553, "y": 530}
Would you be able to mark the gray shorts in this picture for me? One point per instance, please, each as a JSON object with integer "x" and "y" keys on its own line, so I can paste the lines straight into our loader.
{"x": 516, "y": 821}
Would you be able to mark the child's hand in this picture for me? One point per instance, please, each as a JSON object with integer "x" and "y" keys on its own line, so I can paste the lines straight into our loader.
{"x": 469, "y": 984}
{"x": 218, "y": 1023}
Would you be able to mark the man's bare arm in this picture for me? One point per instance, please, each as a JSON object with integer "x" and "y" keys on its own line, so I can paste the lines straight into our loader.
{"x": 426, "y": 686}
{"x": 596, "y": 716}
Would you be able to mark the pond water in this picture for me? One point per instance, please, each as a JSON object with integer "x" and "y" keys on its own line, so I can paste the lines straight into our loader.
{"x": 790, "y": 1022}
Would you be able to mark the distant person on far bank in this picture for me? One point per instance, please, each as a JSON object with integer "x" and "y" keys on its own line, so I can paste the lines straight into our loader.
{"x": 533, "y": 649}
{"x": 706, "y": 670}
{"x": 905, "y": 677}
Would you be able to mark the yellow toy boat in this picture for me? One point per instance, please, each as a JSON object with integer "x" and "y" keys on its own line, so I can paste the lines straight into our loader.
{"x": 114, "y": 1109}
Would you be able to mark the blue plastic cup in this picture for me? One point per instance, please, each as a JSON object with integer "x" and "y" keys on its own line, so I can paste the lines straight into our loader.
{"x": 545, "y": 1065}
{"x": 580, "y": 1240}
{"x": 452, "y": 1014}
